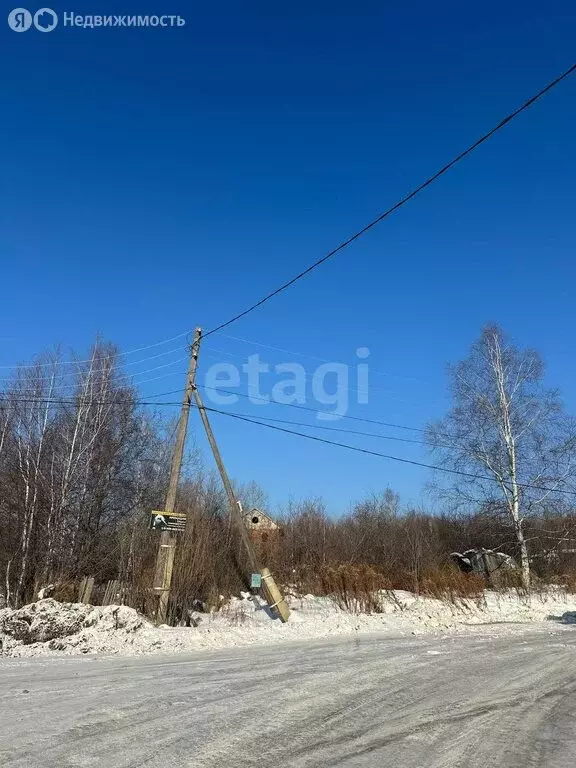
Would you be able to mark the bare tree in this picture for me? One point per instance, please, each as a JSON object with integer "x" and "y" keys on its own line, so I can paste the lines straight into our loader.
{"x": 371, "y": 527}
{"x": 31, "y": 399}
{"x": 506, "y": 434}
{"x": 79, "y": 459}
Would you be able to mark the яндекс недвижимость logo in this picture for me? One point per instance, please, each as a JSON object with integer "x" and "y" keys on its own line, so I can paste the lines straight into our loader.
{"x": 46, "y": 20}
{"x": 20, "y": 20}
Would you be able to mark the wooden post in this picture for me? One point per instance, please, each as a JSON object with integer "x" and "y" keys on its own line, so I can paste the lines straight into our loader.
{"x": 85, "y": 589}
{"x": 273, "y": 594}
{"x": 112, "y": 589}
{"x": 167, "y": 545}
{"x": 234, "y": 506}
{"x": 88, "y": 589}
{"x": 81, "y": 589}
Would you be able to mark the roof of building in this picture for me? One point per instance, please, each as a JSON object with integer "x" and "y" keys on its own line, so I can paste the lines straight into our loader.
{"x": 255, "y": 518}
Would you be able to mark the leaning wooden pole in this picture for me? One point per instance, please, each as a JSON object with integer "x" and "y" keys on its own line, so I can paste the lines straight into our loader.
{"x": 272, "y": 592}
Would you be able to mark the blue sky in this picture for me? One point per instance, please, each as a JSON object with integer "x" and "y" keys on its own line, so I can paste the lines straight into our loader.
{"x": 156, "y": 179}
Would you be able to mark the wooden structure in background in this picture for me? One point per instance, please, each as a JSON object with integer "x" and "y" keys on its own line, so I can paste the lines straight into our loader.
{"x": 260, "y": 525}
{"x": 85, "y": 589}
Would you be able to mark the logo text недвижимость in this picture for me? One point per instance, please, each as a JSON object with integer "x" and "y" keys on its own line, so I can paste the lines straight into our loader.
{"x": 46, "y": 20}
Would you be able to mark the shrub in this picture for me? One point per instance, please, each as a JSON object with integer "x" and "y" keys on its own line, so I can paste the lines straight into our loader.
{"x": 354, "y": 588}
{"x": 568, "y": 581}
{"x": 448, "y": 583}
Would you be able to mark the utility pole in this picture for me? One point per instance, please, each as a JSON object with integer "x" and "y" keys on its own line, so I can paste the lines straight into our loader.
{"x": 273, "y": 594}
{"x": 232, "y": 501}
{"x": 167, "y": 546}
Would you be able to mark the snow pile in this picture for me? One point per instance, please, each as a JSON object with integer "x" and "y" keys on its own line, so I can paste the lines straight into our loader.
{"x": 50, "y": 625}
{"x": 43, "y": 621}
{"x": 47, "y": 626}
{"x": 429, "y": 613}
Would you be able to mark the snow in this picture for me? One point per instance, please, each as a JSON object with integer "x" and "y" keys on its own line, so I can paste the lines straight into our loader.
{"x": 48, "y": 627}
{"x": 437, "y": 700}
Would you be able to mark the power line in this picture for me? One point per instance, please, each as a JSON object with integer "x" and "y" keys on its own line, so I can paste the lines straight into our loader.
{"x": 251, "y": 397}
{"x": 56, "y": 381}
{"x": 309, "y": 376}
{"x": 354, "y": 448}
{"x": 162, "y": 394}
{"x": 71, "y": 401}
{"x": 153, "y": 378}
{"x": 90, "y": 359}
{"x": 338, "y": 248}
{"x": 346, "y": 431}
{"x": 314, "y": 357}
{"x": 364, "y": 391}
{"x": 397, "y": 205}
{"x": 274, "y": 348}
{"x": 369, "y": 452}
{"x": 124, "y": 385}
{"x": 111, "y": 364}
{"x": 312, "y": 410}
{"x": 81, "y": 400}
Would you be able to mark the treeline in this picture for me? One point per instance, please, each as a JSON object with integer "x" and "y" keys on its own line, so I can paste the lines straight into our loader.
{"x": 378, "y": 541}
{"x": 82, "y": 465}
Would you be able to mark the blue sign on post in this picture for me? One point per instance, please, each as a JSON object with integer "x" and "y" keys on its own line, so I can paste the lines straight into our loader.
{"x": 255, "y": 581}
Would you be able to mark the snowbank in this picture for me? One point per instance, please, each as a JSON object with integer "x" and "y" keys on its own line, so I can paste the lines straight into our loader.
{"x": 47, "y": 627}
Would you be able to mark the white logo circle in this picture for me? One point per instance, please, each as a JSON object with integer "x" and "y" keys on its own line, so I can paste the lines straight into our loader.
{"x": 45, "y": 20}
{"x": 20, "y": 20}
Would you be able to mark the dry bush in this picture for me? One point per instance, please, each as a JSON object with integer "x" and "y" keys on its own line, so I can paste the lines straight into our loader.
{"x": 568, "y": 581}
{"x": 65, "y": 591}
{"x": 508, "y": 579}
{"x": 141, "y": 596}
{"x": 355, "y": 588}
{"x": 358, "y": 588}
{"x": 448, "y": 583}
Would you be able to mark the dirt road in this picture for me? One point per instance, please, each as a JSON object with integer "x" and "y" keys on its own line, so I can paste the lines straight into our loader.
{"x": 474, "y": 700}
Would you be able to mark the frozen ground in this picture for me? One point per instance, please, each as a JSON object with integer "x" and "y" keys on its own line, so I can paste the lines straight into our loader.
{"x": 48, "y": 627}
{"x": 490, "y": 698}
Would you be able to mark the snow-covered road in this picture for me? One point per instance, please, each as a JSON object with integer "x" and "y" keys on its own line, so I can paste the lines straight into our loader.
{"x": 493, "y": 698}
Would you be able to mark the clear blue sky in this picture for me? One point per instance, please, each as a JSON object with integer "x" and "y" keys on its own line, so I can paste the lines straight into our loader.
{"x": 155, "y": 179}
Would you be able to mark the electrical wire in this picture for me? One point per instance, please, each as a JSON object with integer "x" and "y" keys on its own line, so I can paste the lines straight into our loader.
{"x": 314, "y": 357}
{"x": 309, "y": 377}
{"x": 390, "y": 395}
{"x": 80, "y": 400}
{"x": 396, "y": 206}
{"x": 311, "y": 410}
{"x": 111, "y": 360}
{"x": 117, "y": 354}
{"x": 121, "y": 377}
{"x": 339, "y": 247}
{"x": 325, "y": 441}
{"x": 369, "y": 452}
{"x": 346, "y": 431}
{"x": 247, "y": 396}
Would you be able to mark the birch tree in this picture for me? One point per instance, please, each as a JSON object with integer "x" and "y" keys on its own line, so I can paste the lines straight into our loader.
{"x": 31, "y": 400}
{"x": 73, "y": 442}
{"x": 506, "y": 433}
